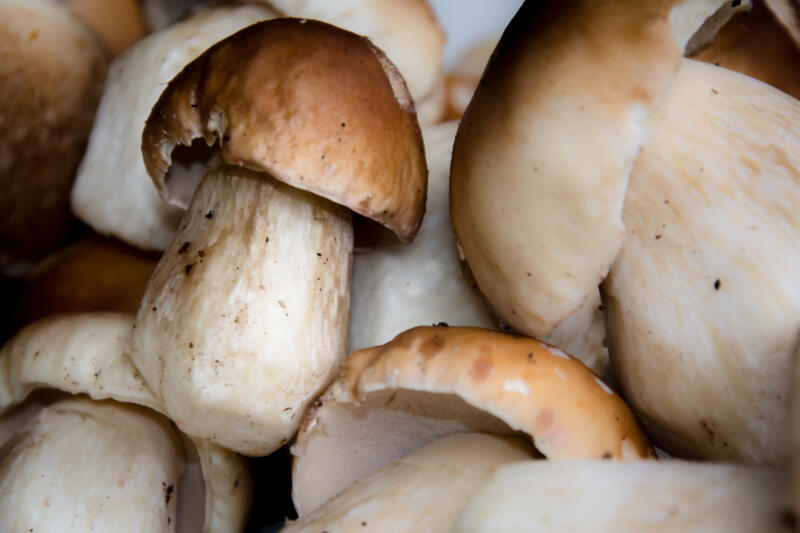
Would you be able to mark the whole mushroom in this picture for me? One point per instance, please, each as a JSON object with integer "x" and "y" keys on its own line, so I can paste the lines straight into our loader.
{"x": 245, "y": 318}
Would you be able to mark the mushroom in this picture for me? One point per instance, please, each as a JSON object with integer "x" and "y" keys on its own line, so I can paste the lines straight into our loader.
{"x": 662, "y": 497}
{"x": 51, "y": 75}
{"x": 119, "y": 24}
{"x": 549, "y": 139}
{"x": 92, "y": 274}
{"x": 83, "y": 354}
{"x": 423, "y": 491}
{"x": 700, "y": 326}
{"x": 245, "y": 318}
{"x": 127, "y": 206}
{"x": 401, "y": 286}
{"x": 430, "y": 382}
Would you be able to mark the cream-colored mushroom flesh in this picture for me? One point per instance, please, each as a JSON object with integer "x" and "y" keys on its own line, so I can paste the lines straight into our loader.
{"x": 91, "y": 466}
{"x": 245, "y": 318}
{"x": 112, "y": 191}
{"x": 422, "y": 283}
{"x": 83, "y": 354}
{"x": 423, "y": 491}
{"x": 433, "y": 381}
{"x": 662, "y": 497}
{"x": 703, "y": 303}
{"x": 542, "y": 156}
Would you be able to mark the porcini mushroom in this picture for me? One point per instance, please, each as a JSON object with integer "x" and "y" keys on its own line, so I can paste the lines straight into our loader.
{"x": 662, "y": 497}
{"x": 51, "y": 76}
{"x": 700, "y": 326}
{"x": 430, "y": 382}
{"x": 245, "y": 318}
{"x": 549, "y": 139}
{"x": 82, "y": 354}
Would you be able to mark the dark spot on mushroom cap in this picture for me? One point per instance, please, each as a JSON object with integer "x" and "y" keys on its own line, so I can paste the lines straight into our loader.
{"x": 717, "y": 284}
{"x": 481, "y": 369}
{"x": 210, "y": 214}
{"x": 184, "y": 247}
{"x": 168, "y": 490}
{"x": 441, "y": 325}
{"x": 788, "y": 519}
{"x": 606, "y": 455}
{"x": 431, "y": 346}
{"x": 188, "y": 268}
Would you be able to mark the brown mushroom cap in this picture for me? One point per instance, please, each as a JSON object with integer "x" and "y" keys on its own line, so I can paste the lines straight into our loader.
{"x": 433, "y": 381}
{"x": 362, "y": 149}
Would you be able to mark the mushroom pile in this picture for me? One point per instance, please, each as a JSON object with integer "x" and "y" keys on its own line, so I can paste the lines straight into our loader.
{"x": 312, "y": 304}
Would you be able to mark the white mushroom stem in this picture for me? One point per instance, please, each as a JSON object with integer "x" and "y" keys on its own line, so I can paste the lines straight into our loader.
{"x": 245, "y": 318}
{"x": 588, "y": 497}
{"x": 424, "y": 491}
{"x": 91, "y": 466}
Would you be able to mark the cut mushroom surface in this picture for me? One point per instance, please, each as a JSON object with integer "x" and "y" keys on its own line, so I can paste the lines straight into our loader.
{"x": 703, "y": 303}
{"x": 668, "y": 496}
{"x": 423, "y": 491}
{"x": 91, "y": 466}
{"x": 245, "y": 319}
{"x": 433, "y": 381}
{"x": 542, "y": 156}
{"x": 82, "y": 354}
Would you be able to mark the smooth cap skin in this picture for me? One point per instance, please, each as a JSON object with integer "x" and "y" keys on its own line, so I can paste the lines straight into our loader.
{"x": 52, "y": 71}
{"x": 112, "y": 191}
{"x": 119, "y": 24}
{"x": 265, "y": 94}
{"x": 406, "y": 30}
{"x": 433, "y": 381}
{"x": 542, "y": 156}
{"x": 788, "y": 14}
{"x": 703, "y": 303}
{"x": 658, "y": 497}
{"x": 93, "y": 274}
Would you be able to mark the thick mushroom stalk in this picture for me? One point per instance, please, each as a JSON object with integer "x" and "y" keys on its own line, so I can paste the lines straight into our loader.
{"x": 91, "y": 466}
{"x": 542, "y": 156}
{"x": 246, "y": 316}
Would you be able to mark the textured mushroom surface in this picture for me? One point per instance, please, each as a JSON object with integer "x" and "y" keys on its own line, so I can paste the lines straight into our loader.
{"x": 423, "y": 491}
{"x": 91, "y": 466}
{"x": 541, "y": 160}
{"x": 52, "y": 71}
{"x": 663, "y": 497}
{"x": 433, "y": 381}
{"x": 703, "y": 303}
{"x": 112, "y": 191}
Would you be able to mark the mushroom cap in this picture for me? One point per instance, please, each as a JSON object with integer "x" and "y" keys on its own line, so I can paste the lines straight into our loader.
{"x": 662, "y": 497}
{"x": 316, "y": 107}
{"x": 703, "y": 303}
{"x": 119, "y": 24}
{"x": 542, "y": 156}
{"x": 433, "y": 381}
{"x": 112, "y": 192}
{"x": 52, "y": 71}
{"x": 406, "y": 30}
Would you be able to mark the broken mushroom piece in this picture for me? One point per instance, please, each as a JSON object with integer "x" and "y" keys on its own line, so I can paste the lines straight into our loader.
{"x": 91, "y": 466}
{"x": 398, "y": 287}
{"x": 112, "y": 192}
{"x": 660, "y": 497}
{"x": 433, "y": 381}
{"x": 542, "y": 156}
{"x": 51, "y": 76}
{"x": 423, "y": 491}
{"x": 245, "y": 318}
{"x": 701, "y": 325}
{"x": 82, "y": 354}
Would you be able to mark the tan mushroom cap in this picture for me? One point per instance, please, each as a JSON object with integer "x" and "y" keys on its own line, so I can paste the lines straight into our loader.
{"x": 52, "y": 71}
{"x": 119, "y": 24}
{"x": 433, "y": 381}
{"x": 264, "y": 93}
{"x": 542, "y": 156}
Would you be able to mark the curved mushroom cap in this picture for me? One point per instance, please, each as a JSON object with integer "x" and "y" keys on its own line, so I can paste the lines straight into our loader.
{"x": 433, "y": 381}
{"x": 422, "y": 283}
{"x": 406, "y": 30}
{"x": 662, "y": 497}
{"x": 542, "y": 156}
{"x": 423, "y": 491}
{"x": 119, "y": 24}
{"x": 703, "y": 303}
{"x": 52, "y": 71}
{"x": 112, "y": 192}
{"x": 92, "y": 466}
{"x": 265, "y": 94}
{"x": 82, "y": 354}
{"x": 93, "y": 274}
